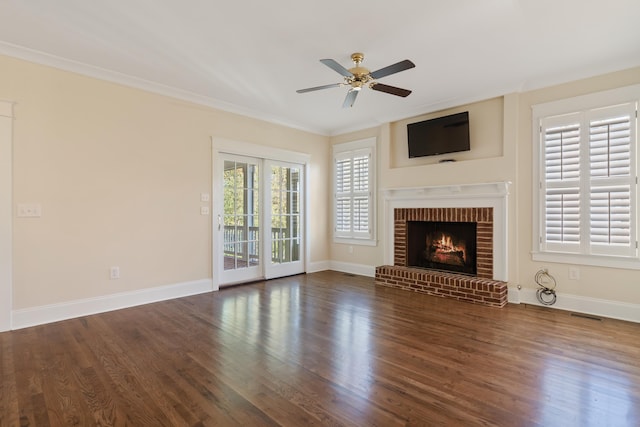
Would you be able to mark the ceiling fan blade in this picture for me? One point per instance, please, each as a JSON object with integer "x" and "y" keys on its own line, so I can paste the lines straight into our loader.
{"x": 392, "y": 69}
{"x": 336, "y": 67}
{"x": 350, "y": 99}
{"x": 391, "y": 89}
{"x": 311, "y": 89}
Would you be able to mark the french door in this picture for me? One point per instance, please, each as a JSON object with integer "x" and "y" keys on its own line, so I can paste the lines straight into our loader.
{"x": 284, "y": 218}
{"x": 259, "y": 219}
{"x": 239, "y": 222}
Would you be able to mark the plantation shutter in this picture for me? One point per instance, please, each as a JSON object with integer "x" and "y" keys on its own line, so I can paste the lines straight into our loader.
{"x": 610, "y": 210}
{"x": 612, "y": 179}
{"x": 353, "y": 195}
{"x": 561, "y": 186}
{"x": 361, "y": 193}
{"x": 562, "y": 215}
{"x": 588, "y": 182}
{"x": 343, "y": 196}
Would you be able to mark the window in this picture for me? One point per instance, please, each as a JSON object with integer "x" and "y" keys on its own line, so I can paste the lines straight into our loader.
{"x": 354, "y": 201}
{"x": 586, "y": 196}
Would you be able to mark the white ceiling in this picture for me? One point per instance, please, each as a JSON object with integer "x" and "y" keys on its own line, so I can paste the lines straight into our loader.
{"x": 250, "y": 57}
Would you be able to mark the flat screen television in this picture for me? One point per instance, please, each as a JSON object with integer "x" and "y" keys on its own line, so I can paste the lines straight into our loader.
{"x": 448, "y": 134}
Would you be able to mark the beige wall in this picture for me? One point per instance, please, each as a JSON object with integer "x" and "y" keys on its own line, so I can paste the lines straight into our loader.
{"x": 485, "y": 132}
{"x": 118, "y": 173}
{"x": 501, "y": 151}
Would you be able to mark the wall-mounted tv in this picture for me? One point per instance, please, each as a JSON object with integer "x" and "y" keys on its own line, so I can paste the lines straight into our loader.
{"x": 448, "y": 134}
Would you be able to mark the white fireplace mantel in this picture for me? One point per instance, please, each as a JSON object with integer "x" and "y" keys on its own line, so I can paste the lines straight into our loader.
{"x": 492, "y": 195}
{"x": 484, "y": 190}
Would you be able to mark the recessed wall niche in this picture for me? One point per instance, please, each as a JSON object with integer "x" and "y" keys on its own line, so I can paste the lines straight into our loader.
{"x": 485, "y": 133}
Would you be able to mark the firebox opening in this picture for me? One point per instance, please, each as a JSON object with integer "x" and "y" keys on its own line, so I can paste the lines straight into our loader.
{"x": 448, "y": 246}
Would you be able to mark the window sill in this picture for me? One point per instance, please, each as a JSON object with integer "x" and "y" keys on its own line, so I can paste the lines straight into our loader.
{"x": 594, "y": 260}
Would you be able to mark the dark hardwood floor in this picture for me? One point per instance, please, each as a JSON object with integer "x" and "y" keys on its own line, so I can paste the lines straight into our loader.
{"x": 322, "y": 349}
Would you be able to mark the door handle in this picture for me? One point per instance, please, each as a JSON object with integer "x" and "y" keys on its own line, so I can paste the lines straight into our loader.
{"x": 219, "y": 222}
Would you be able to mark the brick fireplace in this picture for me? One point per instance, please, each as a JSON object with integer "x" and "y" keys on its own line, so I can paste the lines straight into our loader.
{"x": 482, "y": 204}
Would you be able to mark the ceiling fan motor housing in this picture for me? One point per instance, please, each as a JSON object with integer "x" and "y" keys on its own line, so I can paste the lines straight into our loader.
{"x": 360, "y": 74}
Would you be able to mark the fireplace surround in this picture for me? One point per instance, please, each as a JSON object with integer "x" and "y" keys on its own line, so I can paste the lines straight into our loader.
{"x": 485, "y": 205}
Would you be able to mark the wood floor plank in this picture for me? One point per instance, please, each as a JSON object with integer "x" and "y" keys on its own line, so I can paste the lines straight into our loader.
{"x": 9, "y": 411}
{"x": 27, "y": 357}
{"x": 324, "y": 349}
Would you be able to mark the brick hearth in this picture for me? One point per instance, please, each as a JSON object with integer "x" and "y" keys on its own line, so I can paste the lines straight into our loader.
{"x": 441, "y": 284}
{"x": 480, "y": 289}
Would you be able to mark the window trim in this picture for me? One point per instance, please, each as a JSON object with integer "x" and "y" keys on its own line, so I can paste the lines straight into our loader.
{"x": 350, "y": 149}
{"x": 581, "y": 104}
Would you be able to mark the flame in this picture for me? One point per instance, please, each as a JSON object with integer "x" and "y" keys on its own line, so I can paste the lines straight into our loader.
{"x": 445, "y": 245}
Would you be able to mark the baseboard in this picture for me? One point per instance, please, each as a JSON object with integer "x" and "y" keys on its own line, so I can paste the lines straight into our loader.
{"x": 580, "y": 304}
{"x": 24, "y": 318}
{"x": 343, "y": 267}
{"x": 513, "y": 296}
{"x": 314, "y": 267}
{"x": 359, "y": 269}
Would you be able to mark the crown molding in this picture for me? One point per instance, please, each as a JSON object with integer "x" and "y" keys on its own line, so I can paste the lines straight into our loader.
{"x": 77, "y": 67}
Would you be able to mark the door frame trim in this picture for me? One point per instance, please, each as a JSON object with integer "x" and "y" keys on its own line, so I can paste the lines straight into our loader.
{"x": 6, "y": 215}
{"x": 221, "y": 146}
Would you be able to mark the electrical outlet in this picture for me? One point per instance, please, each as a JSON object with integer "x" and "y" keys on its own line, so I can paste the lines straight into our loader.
{"x": 114, "y": 273}
{"x": 204, "y": 197}
{"x": 574, "y": 273}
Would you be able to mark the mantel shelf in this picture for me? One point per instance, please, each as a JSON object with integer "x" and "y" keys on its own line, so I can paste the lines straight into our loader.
{"x": 489, "y": 189}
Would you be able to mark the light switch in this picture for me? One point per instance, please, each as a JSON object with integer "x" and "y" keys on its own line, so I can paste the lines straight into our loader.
{"x": 29, "y": 210}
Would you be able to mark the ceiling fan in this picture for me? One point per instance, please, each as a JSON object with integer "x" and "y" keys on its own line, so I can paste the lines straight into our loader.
{"x": 358, "y": 76}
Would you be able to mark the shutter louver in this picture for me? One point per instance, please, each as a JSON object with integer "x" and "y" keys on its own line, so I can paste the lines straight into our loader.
{"x": 562, "y": 215}
{"x": 343, "y": 204}
{"x": 361, "y": 201}
{"x": 562, "y": 152}
{"x": 361, "y": 214}
{"x": 609, "y": 147}
{"x": 562, "y": 174}
{"x": 361, "y": 173}
{"x": 343, "y": 175}
{"x": 610, "y": 216}
{"x": 343, "y": 217}
{"x": 610, "y": 163}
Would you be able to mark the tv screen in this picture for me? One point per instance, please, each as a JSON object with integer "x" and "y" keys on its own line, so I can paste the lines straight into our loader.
{"x": 448, "y": 134}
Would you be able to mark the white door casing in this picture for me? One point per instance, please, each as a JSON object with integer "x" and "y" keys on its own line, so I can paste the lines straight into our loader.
{"x": 6, "y": 214}
{"x": 222, "y": 148}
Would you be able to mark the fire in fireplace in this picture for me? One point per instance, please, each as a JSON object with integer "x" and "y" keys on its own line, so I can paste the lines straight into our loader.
{"x": 449, "y": 246}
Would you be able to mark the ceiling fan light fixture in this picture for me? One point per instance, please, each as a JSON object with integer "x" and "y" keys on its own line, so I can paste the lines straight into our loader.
{"x": 359, "y": 77}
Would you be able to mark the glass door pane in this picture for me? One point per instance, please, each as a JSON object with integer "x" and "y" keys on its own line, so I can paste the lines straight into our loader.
{"x": 241, "y": 220}
{"x": 285, "y": 219}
